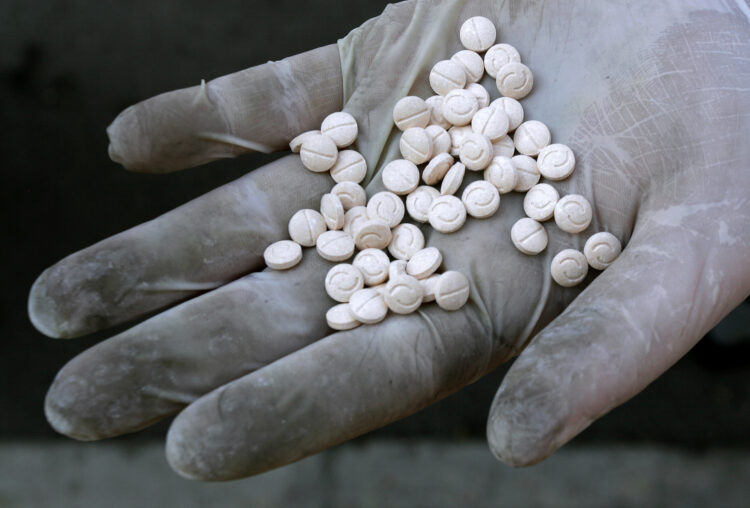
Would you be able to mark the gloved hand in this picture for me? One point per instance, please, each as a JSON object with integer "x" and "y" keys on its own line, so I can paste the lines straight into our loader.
{"x": 656, "y": 109}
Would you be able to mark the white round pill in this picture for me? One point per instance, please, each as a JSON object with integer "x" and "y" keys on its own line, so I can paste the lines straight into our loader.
{"x": 350, "y": 167}
{"x": 527, "y": 174}
{"x": 492, "y": 122}
{"x": 573, "y": 213}
{"x": 416, "y": 145}
{"x": 403, "y": 294}
{"x": 418, "y": 202}
{"x": 397, "y": 268}
{"x": 472, "y": 64}
{"x": 351, "y": 194}
{"x": 428, "y": 287}
{"x": 372, "y": 234}
{"x": 477, "y": 33}
{"x": 481, "y": 199}
{"x": 569, "y": 267}
{"x": 341, "y": 127}
{"x": 512, "y": 108}
{"x": 342, "y": 281}
{"x": 306, "y": 226}
{"x": 556, "y": 161}
{"x": 335, "y": 246}
{"x": 282, "y": 254}
{"x": 539, "y": 201}
{"x": 353, "y": 218}
{"x": 400, "y": 176}
{"x": 457, "y": 135}
{"x": 502, "y": 174}
{"x": 447, "y": 214}
{"x": 407, "y": 240}
{"x": 453, "y": 179}
{"x": 514, "y": 80}
{"x": 529, "y": 236}
{"x": 296, "y": 143}
{"x": 452, "y": 290}
{"x": 476, "y": 151}
{"x": 387, "y": 207}
{"x": 601, "y": 250}
{"x": 447, "y": 75}
{"x": 459, "y": 106}
{"x": 340, "y": 317}
{"x": 499, "y": 55}
{"x": 424, "y": 263}
{"x": 437, "y": 168}
{"x": 332, "y": 211}
{"x": 318, "y": 153}
{"x": 441, "y": 140}
{"x": 435, "y": 103}
{"x": 373, "y": 264}
{"x": 368, "y": 306}
{"x": 480, "y": 93}
{"x": 503, "y": 147}
{"x": 530, "y": 137}
{"x": 411, "y": 111}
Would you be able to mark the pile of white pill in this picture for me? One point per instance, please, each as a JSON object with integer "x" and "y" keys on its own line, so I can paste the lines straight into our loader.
{"x": 457, "y": 130}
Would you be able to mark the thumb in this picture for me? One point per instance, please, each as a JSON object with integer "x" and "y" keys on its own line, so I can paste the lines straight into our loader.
{"x": 665, "y": 291}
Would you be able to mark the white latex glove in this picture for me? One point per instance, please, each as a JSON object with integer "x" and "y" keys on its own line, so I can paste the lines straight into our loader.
{"x": 654, "y": 99}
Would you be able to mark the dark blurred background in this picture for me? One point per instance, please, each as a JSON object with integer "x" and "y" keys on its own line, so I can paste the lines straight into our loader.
{"x": 68, "y": 67}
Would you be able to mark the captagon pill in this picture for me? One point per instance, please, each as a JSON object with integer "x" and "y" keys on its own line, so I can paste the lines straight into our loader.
{"x": 282, "y": 255}
{"x": 373, "y": 264}
{"x": 514, "y": 80}
{"x": 447, "y": 75}
{"x": 411, "y": 111}
{"x": 569, "y": 267}
{"x": 530, "y": 137}
{"x": 477, "y": 33}
{"x": 400, "y": 176}
{"x": 502, "y": 174}
{"x": 306, "y": 226}
{"x": 387, "y": 207}
{"x": 481, "y": 199}
{"x": 452, "y": 290}
{"x": 403, "y": 294}
{"x": 472, "y": 64}
{"x": 539, "y": 201}
{"x": 340, "y": 317}
{"x": 407, "y": 240}
{"x": 318, "y": 153}
{"x": 573, "y": 213}
{"x": 416, "y": 145}
{"x": 335, "y": 246}
{"x": 350, "y": 167}
{"x": 527, "y": 174}
{"x": 342, "y": 281}
{"x": 556, "y": 161}
{"x": 341, "y": 127}
{"x": 529, "y": 236}
{"x": 512, "y": 108}
{"x": 499, "y": 55}
{"x": 447, "y": 214}
{"x": 418, "y": 202}
{"x": 368, "y": 306}
{"x": 601, "y": 250}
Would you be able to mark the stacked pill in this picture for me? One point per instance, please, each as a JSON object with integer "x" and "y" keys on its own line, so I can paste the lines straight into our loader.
{"x": 443, "y": 138}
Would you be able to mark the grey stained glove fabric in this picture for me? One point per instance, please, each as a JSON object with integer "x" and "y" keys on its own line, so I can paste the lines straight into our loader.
{"x": 656, "y": 109}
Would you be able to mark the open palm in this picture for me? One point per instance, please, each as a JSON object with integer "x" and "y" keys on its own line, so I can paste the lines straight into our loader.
{"x": 655, "y": 107}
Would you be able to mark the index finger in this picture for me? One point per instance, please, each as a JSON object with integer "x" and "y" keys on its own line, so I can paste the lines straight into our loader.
{"x": 260, "y": 108}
